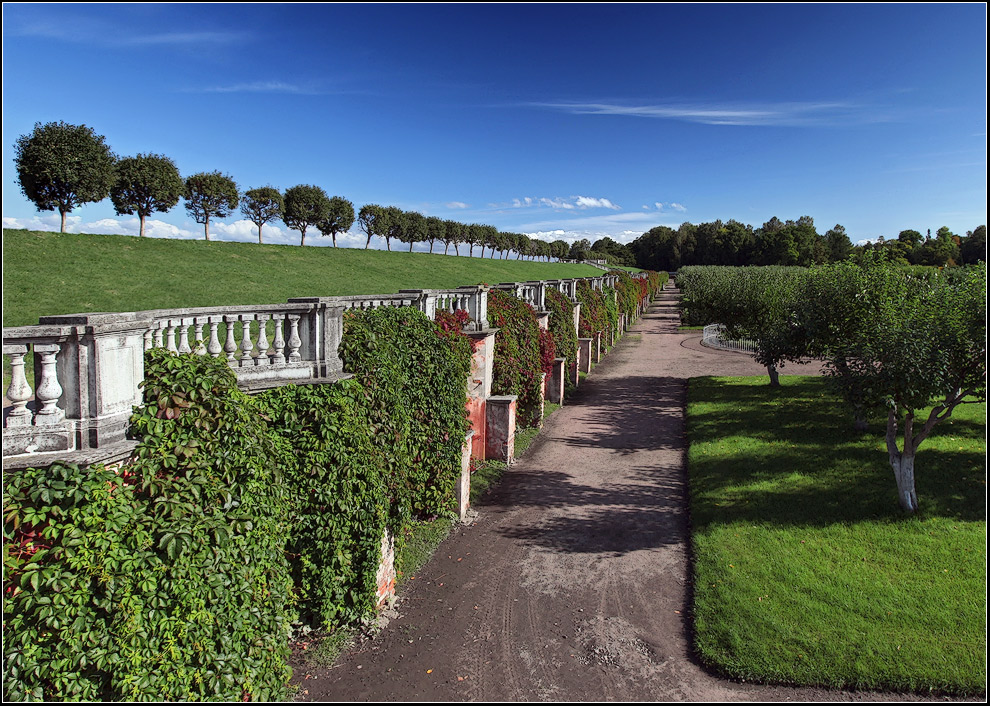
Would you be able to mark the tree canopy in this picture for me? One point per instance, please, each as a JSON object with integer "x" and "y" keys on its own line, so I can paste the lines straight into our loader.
{"x": 210, "y": 195}
{"x": 145, "y": 184}
{"x": 339, "y": 219}
{"x": 61, "y": 166}
{"x": 262, "y": 205}
{"x": 305, "y": 205}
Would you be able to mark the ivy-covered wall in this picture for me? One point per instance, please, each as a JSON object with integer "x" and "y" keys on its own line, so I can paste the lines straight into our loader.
{"x": 179, "y": 577}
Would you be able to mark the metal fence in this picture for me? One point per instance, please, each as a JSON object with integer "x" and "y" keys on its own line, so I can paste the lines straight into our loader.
{"x": 714, "y": 336}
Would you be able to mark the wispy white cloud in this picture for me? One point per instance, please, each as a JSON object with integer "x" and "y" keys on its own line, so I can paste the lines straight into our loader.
{"x": 678, "y": 207}
{"x": 261, "y": 87}
{"x": 570, "y": 203}
{"x": 781, "y": 113}
{"x": 589, "y": 202}
{"x": 182, "y": 38}
{"x": 457, "y": 205}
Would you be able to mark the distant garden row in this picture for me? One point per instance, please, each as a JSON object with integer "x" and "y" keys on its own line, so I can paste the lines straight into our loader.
{"x": 62, "y": 166}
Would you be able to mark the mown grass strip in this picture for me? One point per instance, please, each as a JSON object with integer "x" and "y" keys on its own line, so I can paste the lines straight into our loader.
{"x": 70, "y": 273}
{"x": 805, "y": 570}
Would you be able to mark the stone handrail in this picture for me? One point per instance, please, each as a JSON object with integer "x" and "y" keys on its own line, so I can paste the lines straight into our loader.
{"x": 87, "y": 367}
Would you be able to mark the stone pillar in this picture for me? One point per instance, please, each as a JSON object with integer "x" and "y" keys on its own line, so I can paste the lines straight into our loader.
{"x": 385, "y": 578}
{"x": 577, "y": 318}
{"x": 463, "y": 489}
{"x": 584, "y": 354}
{"x": 479, "y": 385}
{"x": 574, "y": 372}
{"x": 99, "y": 367}
{"x": 555, "y": 383}
{"x": 596, "y": 348}
{"x": 500, "y": 428}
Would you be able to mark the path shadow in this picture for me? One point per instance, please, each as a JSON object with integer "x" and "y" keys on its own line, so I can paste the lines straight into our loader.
{"x": 613, "y": 519}
{"x": 629, "y": 414}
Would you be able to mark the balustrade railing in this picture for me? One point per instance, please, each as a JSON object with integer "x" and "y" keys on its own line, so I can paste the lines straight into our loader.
{"x": 87, "y": 367}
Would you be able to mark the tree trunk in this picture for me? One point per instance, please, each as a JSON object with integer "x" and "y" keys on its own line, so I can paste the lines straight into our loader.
{"x": 431, "y": 247}
{"x": 63, "y": 220}
{"x": 774, "y": 376}
{"x": 446, "y": 247}
{"x": 903, "y": 466}
{"x": 259, "y": 234}
{"x": 388, "y": 244}
{"x": 482, "y": 251}
{"x": 859, "y": 419}
{"x": 302, "y": 236}
{"x": 457, "y": 250}
{"x": 333, "y": 237}
{"x": 902, "y": 462}
{"x": 471, "y": 252}
{"x": 206, "y": 225}
{"x": 410, "y": 245}
{"x": 142, "y": 225}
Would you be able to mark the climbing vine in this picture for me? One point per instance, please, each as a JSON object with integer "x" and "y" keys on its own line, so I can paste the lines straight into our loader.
{"x": 518, "y": 358}
{"x": 562, "y": 324}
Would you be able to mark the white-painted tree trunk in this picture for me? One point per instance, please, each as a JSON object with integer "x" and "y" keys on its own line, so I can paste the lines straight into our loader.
{"x": 903, "y": 465}
{"x": 774, "y": 376}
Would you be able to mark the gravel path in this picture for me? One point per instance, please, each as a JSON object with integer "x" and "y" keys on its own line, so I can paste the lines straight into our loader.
{"x": 572, "y": 581}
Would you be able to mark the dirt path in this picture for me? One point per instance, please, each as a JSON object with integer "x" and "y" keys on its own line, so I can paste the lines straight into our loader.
{"x": 572, "y": 583}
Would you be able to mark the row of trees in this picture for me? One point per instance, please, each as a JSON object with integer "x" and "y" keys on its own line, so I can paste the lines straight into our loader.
{"x": 61, "y": 166}
{"x": 890, "y": 340}
{"x": 797, "y": 242}
{"x": 946, "y": 248}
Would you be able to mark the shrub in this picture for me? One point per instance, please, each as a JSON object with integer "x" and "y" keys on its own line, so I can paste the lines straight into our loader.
{"x": 518, "y": 363}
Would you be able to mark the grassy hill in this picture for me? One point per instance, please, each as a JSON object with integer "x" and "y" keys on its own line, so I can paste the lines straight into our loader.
{"x": 68, "y": 273}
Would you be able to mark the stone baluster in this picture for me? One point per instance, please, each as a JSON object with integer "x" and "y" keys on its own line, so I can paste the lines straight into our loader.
{"x": 230, "y": 346}
{"x": 294, "y": 341}
{"x": 148, "y": 340}
{"x": 247, "y": 345}
{"x": 198, "y": 335}
{"x": 48, "y": 390}
{"x": 170, "y": 336}
{"x": 262, "y": 357}
{"x": 184, "y": 337}
{"x": 19, "y": 391}
{"x": 213, "y": 348}
{"x": 279, "y": 343}
{"x": 159, "y": 335}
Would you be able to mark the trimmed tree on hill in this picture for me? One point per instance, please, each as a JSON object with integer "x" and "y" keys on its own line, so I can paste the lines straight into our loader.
{"x": 61, "y": 166}
{"x": 305, "y": 206}
{"x": 145, "y": 184}
{"x": 262, "y": 205}
{"x": 210, "y": 195}
{"x": 339, "y": 219}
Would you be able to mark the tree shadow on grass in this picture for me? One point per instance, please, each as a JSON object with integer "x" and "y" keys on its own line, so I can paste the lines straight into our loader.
{"x": 790, "y": 456}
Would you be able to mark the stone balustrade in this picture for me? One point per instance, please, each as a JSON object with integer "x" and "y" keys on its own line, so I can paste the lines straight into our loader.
{"x": 87, "y": 367}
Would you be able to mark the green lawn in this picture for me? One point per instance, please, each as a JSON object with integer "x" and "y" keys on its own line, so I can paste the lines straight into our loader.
{"x": 806, "y": 571}
{"x": 51, "y": 273}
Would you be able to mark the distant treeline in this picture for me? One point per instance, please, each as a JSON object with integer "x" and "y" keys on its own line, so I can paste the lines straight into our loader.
{"x": 779, "y": 242}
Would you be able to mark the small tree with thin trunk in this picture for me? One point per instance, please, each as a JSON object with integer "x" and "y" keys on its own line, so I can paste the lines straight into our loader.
{"x": 262, "y": 205}
{"x": 146, "y": 184}
{"x": 435, "y": 230}
{"x": 305, "y": 206}
{"x": 922, "y": 345}
{"x": 210, "y": 195}
{"x": 373, "y": 220}
{"x": 61, "y": 166}
{"x": 338, "y": 220}
{"x": 413, "y": 228}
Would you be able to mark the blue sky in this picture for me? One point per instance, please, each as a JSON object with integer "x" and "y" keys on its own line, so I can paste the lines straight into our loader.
{"x": 560, "y": 121}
